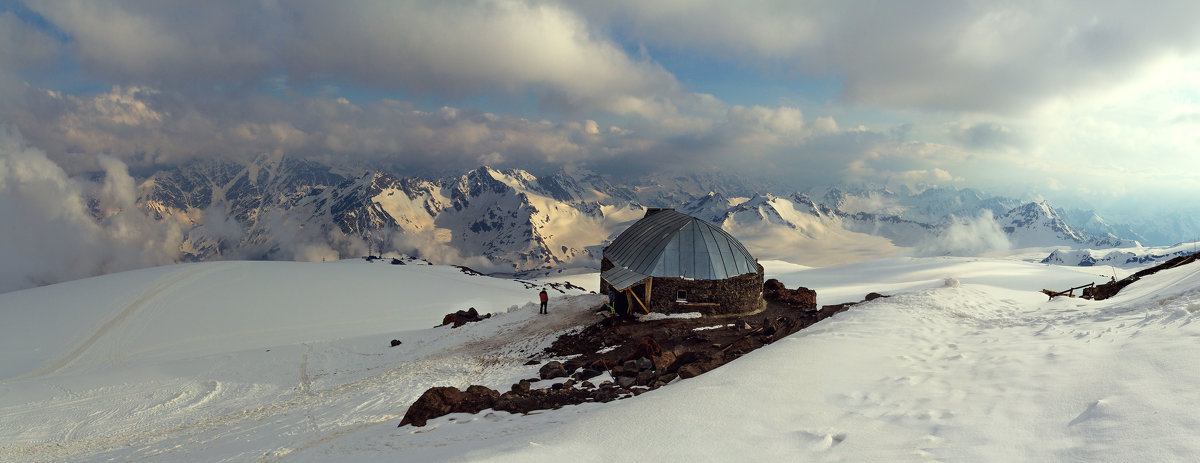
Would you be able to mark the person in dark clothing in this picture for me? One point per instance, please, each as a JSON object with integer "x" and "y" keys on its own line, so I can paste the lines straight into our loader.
{"x": 544, "y": 298}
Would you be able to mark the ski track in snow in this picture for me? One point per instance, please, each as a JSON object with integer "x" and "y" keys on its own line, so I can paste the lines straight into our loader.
{"x": 158, "y": 290}
{"x": 195, "y": 412}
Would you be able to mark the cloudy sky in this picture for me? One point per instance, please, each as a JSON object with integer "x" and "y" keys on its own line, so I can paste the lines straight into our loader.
{"x": 1067, "y": 99}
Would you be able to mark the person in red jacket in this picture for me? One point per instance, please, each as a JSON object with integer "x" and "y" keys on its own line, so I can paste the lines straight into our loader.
{"x": 545, "y": 298}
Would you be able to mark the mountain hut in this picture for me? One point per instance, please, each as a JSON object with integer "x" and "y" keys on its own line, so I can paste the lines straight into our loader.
{"x": 670, "y": 262}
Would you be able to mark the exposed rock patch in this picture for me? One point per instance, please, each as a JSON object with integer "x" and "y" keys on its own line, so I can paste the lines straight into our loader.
{"x": 1110, "y": 289}
{"x": 639, "y": 356}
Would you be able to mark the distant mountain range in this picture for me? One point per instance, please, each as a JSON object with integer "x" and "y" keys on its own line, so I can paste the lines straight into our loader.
{"x": 514, "y": 222}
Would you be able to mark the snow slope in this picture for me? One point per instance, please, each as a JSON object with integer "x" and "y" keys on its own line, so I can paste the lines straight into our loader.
{"x": 965, "y": 362}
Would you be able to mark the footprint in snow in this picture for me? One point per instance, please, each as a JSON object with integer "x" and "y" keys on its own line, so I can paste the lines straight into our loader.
{"x": 819, "y": 440}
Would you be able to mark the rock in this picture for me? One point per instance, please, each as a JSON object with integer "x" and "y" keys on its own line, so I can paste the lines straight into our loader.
{"x": 556, "y": 386}
{"x": 552, "y": 370}
{"x": 605, "y": 395}
{"x": 690, "y": 370}
{"x": 630, "y": 365}
{"x": 768, "y": 327}
{"x": 624, "y": 371}
{"x": 602, "y": 365}
{"x": 587, "y": 385}
{"x": 668, "y": 377}
{"x": 521, "y": 387}
{"x": 626, "y": 381}
{"x": 586, "y": 373}
{"x": 440, "y": 401}
{"x": 874, "y": 296}
{"x": 644, "y": 378}
{"x": 684, "y": 358}
{"x": 396, "y": 342}
{"x": 532, "y": 362}
{"x": 447, "y": 320}
{"x": 665, "y": 360}
{"x": 645, "y": 347}
{"x": 799, "y": 298}
{"x": 574, "y": 364}
{"x": 644, "y": 363}
{"x": 568, "y": 384}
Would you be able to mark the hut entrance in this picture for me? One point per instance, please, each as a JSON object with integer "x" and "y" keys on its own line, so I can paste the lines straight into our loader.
{"x": 639, "y": 297}
{"x": 631, "y": 300}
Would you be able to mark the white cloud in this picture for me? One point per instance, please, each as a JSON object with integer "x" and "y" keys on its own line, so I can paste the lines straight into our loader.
{"x": 51, "y": 233}
{"x": 967, "y": 237}
{"x": 984, "y": 56}
{"x": 456, "y": 48}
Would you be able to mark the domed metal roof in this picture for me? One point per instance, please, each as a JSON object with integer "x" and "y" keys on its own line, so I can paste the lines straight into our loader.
{"x": 667, "y": 243}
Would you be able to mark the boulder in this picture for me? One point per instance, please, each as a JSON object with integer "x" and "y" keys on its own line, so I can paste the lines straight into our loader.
{"x": 873, "y": 296}
{"x": 586, "y": 374}
{"x": 552, "y": 370}
{"x": 644, "y": 378}
{"x": 396, "y": 342}
{"x": 605, "y": 395}
{"x": 440, "y": 401}
{"x": 602, "y": 365}
{"x": 684, "y": 358}
{"x": 665, "y": 360}
{"x": 690, "y": 370}
{"x": 645, "y": 347}
{"x": 574, "y": 364}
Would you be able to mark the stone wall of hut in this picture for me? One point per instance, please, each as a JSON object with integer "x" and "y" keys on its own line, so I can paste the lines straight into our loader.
{"x": 739, "y": 294}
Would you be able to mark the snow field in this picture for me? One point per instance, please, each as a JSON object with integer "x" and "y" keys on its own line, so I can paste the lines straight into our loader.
{"x": 966, "y": 361}
{"x": 284, "y": 380}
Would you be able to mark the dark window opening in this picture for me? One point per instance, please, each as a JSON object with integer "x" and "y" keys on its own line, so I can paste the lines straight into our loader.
{"x": 681, "y": 295}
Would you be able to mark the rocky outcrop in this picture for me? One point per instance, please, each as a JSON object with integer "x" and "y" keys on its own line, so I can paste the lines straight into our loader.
{"x": 800, "y": 298}
{"x": 638, "y": 355}
{"x": 440, "y": 401}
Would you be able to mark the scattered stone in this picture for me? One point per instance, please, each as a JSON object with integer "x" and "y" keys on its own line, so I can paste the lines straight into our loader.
{"x": 665, "y": 350}
{"x": 396, "y": 342}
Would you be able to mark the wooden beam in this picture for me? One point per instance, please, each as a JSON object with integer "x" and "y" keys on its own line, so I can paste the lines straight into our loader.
{"x": 639, "y": 301}
{"x": 648, "y": 284}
